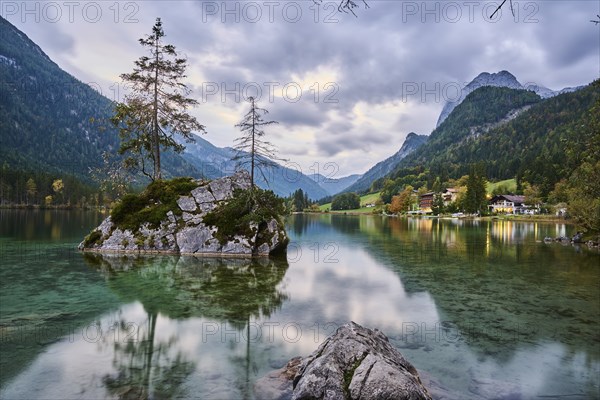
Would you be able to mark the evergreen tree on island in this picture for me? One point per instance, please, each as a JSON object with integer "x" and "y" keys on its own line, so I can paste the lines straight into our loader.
{"x": 252, "y": 150}
{"x": 155, "y": 110}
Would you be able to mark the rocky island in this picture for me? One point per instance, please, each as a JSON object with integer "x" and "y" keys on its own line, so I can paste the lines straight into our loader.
{"x": 224, "y": 216}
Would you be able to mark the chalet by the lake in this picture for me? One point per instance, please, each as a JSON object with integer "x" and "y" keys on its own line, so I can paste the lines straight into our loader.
{"x": 507, "y": 204}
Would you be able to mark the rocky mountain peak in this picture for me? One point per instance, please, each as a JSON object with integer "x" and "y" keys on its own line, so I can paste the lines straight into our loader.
{"x": 499, "y": 79}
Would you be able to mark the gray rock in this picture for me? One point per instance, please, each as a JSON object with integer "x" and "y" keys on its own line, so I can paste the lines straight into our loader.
{"x": 277, "y": 385}
{"x": 197, "y": 239}
{"x": 171, "y": 217}
{"x": 186, "y": 203}
{"x": 105, "y": 226}
{"x": 221, "y": 188}
{"x": 120, "y": 241}
{"x": 105, "y": 229}
{"x": 202, "y": 195}
{"x": 187, "y": 233}
{"x": 239, "y": 245}
{"x": 241, "y": 180}
{"x": 191, "y": 219}
{"x": 357, "y": 363}
{"x": 207, "y": 207}
{"x": 270, "y": 238}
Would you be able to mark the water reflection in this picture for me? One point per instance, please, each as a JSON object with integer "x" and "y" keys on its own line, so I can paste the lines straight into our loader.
{"x": 487, "y": 312}
{"x": 234, "y": 291}
{"x": 145, "y": 369}
{"x": 47, "y": 225}
{"x": 503, "y": 302}
{"x": 179, "y": 287}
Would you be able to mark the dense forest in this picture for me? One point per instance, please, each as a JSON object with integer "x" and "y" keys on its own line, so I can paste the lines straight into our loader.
{"x": 52, "y": 123}
{"x": 512, "y": 131}
{"x": 35, "y": 187}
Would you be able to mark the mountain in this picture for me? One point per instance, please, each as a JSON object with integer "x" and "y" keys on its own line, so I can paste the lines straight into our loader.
{"x": 500, "y": 79}
{"x": 215, "y": 162}
{"x": 49, "y": 120}
{"x": 514, "y": 132}
{"x": 383, "y": 168}
{"x": 334, "y": 185}
{"x": 52, "y": 122}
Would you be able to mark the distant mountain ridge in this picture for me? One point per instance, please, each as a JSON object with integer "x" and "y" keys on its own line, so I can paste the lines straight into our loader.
{"x": 514, "y": 132}
{"x": 334, "y": 185}
{"x": 216, "y": 162}
{"x": 49, "y": 120}
{"x": 499, "y": 79}
{"x": 52, "y": 122}
{"x": 383, "y": 168}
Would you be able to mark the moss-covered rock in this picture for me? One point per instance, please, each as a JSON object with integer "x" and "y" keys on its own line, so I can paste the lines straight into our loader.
{"x": 224, "y": 216}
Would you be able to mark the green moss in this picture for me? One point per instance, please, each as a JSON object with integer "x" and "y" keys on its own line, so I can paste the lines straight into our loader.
{"x": 349, "y": 373}
{"x": 151, "y": 205}
{"x": 95, "y": 237}
{"x": 139, "y": 241}
{"x": 245, "y": 207}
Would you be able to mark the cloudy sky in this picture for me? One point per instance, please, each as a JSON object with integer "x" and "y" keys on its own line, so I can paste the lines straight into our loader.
{"x": 345, "y": 89}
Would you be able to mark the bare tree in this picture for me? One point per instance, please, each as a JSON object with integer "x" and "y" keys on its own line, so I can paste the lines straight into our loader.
{"x": 252, "y": 150}
{"x": 346, "y": 6}
{"x": 500, "y": 6}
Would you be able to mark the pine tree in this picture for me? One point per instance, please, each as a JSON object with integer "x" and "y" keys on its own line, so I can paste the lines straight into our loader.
{"x": 476, "y": 201}
{"x": 31, "y": 190}
{"x": 437, "y": 207}
{"x": 156, "y": 108}
{"x": 299, "y": 200}
{"x": 437, "y": 185}
{"x": 252, "y": 150}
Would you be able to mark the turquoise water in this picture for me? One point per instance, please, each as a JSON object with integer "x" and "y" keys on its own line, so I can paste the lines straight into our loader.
{"x": 484, "y": 309}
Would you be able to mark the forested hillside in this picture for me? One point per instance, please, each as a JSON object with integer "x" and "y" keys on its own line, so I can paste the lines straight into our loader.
{"x": 48, "y": 119}
{"x": 52, "y": 126}
{"x": 513, "y": 132}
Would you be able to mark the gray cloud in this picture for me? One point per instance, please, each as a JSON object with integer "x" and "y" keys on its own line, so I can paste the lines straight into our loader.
{"x": 362, "y": 141}
{"x": 303, "y": 113}
{"x": 375, "y": 57}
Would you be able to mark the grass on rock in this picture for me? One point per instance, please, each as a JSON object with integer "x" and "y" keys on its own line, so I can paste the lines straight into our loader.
{"x": 152, "y": 204}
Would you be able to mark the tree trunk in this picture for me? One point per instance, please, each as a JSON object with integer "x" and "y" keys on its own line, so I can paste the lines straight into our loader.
{"x": 252, "y": 154}
{"x": 155, "y": 138}
{"x": 149, "y": 351}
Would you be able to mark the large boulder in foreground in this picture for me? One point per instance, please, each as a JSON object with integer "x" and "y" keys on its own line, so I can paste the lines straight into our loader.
{"x": 185, "y": 216}
{"x": 354, "y": 363}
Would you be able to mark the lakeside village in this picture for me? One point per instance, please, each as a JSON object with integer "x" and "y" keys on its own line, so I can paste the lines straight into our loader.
{"x": 462, "y": 201}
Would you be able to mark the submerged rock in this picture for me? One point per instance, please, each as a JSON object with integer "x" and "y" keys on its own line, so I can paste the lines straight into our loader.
{"x": 277, "y": 385}
{"x": 184, "y": 231}
{"x": 354, "y": 363}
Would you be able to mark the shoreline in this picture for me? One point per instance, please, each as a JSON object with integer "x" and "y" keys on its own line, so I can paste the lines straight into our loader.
{"x": 517, "y": 218}
{"x": 60, "y": 207}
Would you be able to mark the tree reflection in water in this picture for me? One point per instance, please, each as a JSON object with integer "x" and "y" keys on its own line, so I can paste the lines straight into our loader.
{"x": 229, "y": 290}
{"x": 145, "y": 369}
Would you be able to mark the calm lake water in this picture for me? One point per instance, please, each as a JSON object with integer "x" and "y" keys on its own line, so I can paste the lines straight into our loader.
{"x": 483, "y": 308}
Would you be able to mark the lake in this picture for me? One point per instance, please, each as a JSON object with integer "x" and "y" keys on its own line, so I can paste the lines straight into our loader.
{"x": 484, "y": 308}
